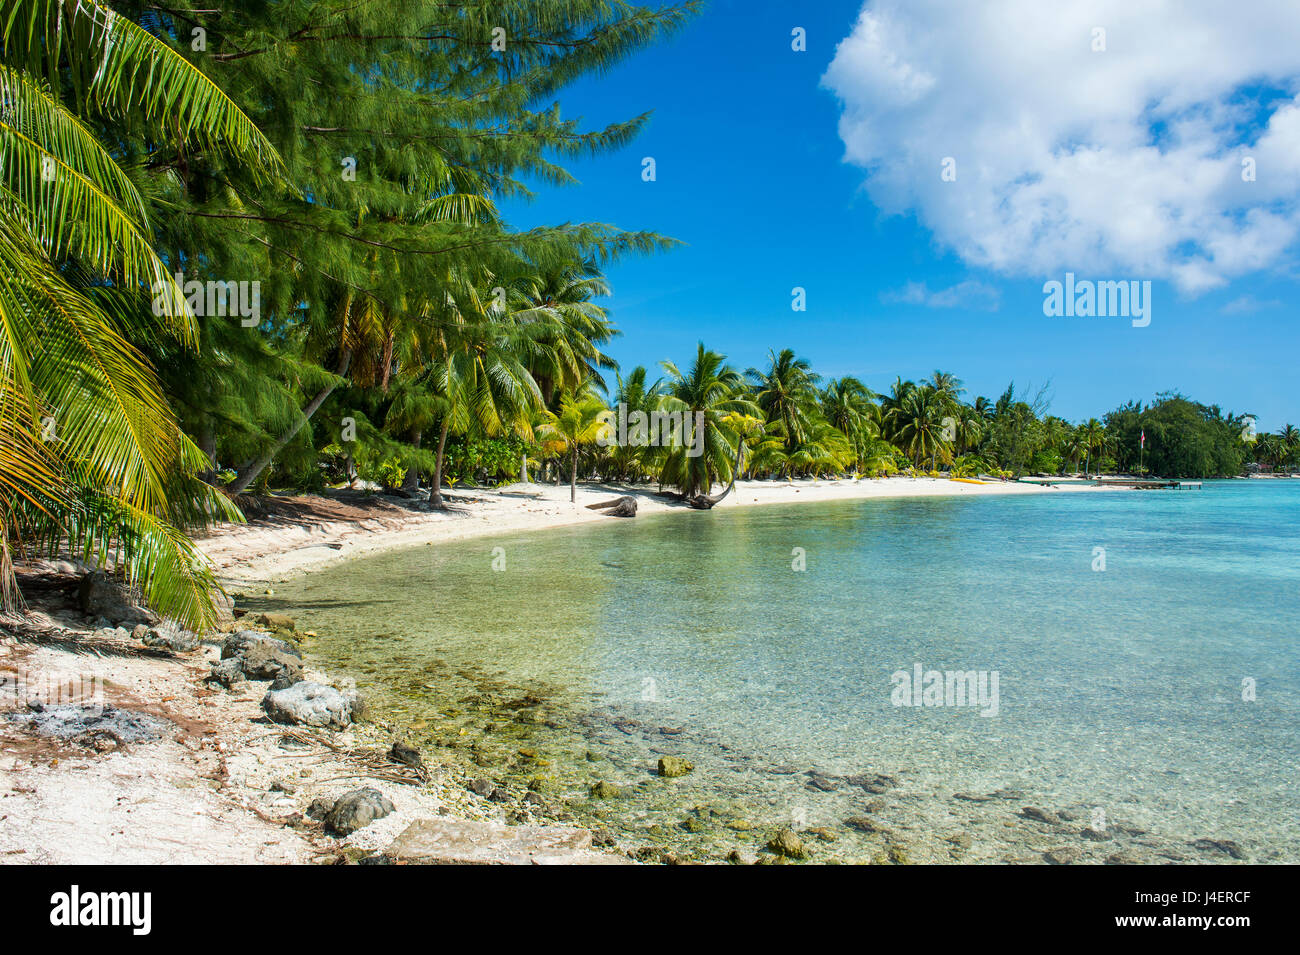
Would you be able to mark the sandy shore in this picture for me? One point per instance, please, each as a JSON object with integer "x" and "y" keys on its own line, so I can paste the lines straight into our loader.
{"x": 274, "y": 549}
{"x": 215, "y": 782}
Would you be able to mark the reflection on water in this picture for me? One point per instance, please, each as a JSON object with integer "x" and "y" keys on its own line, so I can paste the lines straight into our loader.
{"x": 1120, "y": 715}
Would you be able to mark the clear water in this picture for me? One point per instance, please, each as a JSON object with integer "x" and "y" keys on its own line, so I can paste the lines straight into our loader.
{"x": 597, "y": 649}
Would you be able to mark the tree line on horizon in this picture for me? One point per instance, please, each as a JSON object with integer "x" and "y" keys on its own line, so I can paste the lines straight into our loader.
{"x": 347, "y": 159}
{"x": 784, "y": 421}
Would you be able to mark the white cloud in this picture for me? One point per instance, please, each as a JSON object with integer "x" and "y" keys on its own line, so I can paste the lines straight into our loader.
{"x": 969, "y": 294}
{"x": 1123, "y": 163}
{"x": 1246, "y": 304}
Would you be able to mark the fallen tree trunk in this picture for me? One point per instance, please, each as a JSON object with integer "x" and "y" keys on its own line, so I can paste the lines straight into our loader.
{"x": 624, "y": 506}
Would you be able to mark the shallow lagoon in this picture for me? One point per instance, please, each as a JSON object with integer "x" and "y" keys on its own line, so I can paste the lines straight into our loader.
{"x": 597, "y": 649}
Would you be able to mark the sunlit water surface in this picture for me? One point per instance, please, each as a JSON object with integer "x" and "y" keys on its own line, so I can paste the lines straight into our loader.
{"x": 599, "y": 648}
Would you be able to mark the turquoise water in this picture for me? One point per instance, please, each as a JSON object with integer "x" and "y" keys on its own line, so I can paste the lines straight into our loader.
{"x": 1120, "y": 691}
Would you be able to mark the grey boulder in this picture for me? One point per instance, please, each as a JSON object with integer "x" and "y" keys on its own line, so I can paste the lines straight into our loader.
{"x": 356, "y": 810}
{"x": 288, "y": 676}
{"x": 227, "y": 672}
{"x": 311, "y": 704}
{"x": 169, "y": 636}
{"x": 264, "y": 662}
{"x": 238, "y": 643}
{"x": 263, "y": 658}
{"x": 101, "y": 594}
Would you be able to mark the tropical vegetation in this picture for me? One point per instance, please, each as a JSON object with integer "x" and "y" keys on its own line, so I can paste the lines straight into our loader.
{"x": 232, "y": 259}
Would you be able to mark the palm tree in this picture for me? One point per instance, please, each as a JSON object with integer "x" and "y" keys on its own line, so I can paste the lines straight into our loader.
{"x": 568, "y": 350}
{"x": 785, "y": 393}
{"x": 577, "y": 426}
{"x": 715, "y": 390}
{"x": 890, "y": 405}
{"x": 1290, "y": 436}
{"x": 110, "y": 471}
{"x": 824, "y": 449}
{"x": 1290, "y": 439}
{"x": 1074, "y": 446}
{"x": 635, "y": 396}
{"x": 847, "y": 405}
{"x": 479, "y": 375}
{"x": 918, "y": 423}
{"x": 946, "y": 384}
{"x": 1093, "y": 435}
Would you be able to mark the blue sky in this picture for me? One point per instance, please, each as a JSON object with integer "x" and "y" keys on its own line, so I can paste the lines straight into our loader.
{"x": 752, "y": 178}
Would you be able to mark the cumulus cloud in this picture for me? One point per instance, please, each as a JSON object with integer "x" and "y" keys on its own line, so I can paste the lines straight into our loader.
{"x": 1126, "y": 162}
{"x": 970, "y": 294}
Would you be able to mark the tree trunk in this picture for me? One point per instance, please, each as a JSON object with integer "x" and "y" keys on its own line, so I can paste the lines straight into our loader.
{"x": 573, "y": 478}
{"x": 207, "y": 442}
{"x": 411, "y": 483}
{"x": 257, "y": 467}
{"x": 387, "y": 361}
{"x": 523, "y": 468}
{"x": 435, "y": 492}
{"x": 703, "y": 501}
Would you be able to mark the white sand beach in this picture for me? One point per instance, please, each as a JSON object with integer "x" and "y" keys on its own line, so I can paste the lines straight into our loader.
{"x": 324, "y": 532}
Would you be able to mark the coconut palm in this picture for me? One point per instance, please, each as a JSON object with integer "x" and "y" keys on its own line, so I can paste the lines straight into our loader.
{"x": 478, "y": 373}
{"x": 1073, "y": 447}
{"x": 714, "y": 389}
{"x": 786, "y": 394}
{"x": 947, "y": 385}
{"x": 634, "y": 396}
{"x": 847, "y": 406}
{"x": 891, "y": 403}
{"x": 568, "y": 350}
{"x": 845, "y": 403}
{"x": 1093, "y": 437}
{"x": 113, "y": 475}
{"x": 577, "y": 425}
{"x": 823, "y": 450}
{"x": 969, "y": 429}
{"x": 918, "y": 423}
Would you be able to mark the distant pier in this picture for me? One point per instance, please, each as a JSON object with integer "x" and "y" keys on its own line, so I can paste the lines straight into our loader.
{"x": 1144, "y": 484}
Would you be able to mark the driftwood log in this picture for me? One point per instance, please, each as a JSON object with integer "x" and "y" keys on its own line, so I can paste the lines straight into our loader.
{"x": 624, "y": 506}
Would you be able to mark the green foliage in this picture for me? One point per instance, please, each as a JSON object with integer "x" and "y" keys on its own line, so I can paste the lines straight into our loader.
{"x": 83, "y": 286}
{"x": 1184, "y": 439}
{"x": 713, "y": 394}
{"x": 349, "y": 157}
{"x": 495, "y": 459}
